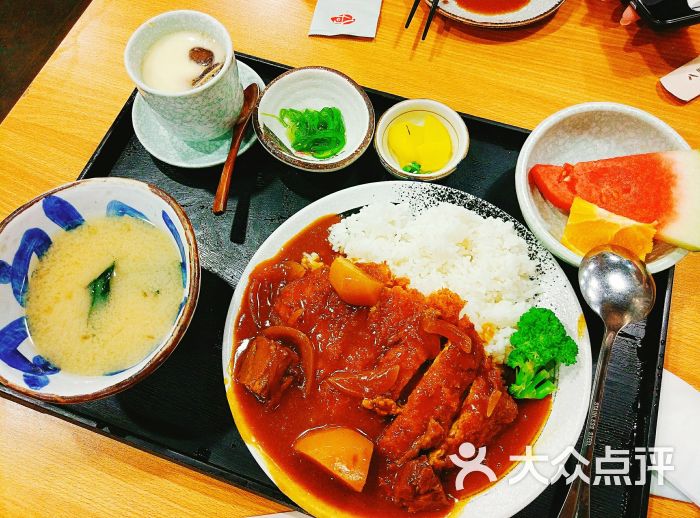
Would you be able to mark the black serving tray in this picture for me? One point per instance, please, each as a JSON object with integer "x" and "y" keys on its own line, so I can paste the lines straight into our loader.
{"x": 180, "y": 412}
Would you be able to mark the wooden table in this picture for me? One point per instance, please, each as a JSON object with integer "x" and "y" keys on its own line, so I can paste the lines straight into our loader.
{"x": 49, "y": 467}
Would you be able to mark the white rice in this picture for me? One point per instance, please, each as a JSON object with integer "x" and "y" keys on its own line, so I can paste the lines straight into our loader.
{"x": 446, "y": 246}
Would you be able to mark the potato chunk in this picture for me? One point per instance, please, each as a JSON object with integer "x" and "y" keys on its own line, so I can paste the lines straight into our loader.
{"x": 352, "y": 284}
{"x": 343, "y": 452}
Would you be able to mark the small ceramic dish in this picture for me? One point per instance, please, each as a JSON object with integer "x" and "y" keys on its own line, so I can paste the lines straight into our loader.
{"x": 583, "y": 132}
{"x": 314, "y": 88}
{"x": 27, "y": 233}
{"x": 450, "y": 118}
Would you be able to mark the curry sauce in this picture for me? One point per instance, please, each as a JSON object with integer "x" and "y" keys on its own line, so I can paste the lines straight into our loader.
{"x": 349, "y": 339}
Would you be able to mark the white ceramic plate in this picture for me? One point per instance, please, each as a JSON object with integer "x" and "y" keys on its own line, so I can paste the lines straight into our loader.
{"x": 570, "y": 402}
{"x": 533, "y": 11}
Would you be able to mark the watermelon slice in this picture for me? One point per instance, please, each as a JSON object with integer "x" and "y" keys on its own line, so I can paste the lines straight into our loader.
{"x": 654, "y": 187}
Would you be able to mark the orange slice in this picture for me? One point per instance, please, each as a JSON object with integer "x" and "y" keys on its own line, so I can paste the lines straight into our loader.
{"x": 589, "y": 226}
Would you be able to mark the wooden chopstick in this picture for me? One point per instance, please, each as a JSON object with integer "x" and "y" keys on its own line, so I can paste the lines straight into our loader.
{"x": 433, "y": 8}
{"x": 413, "y": 11}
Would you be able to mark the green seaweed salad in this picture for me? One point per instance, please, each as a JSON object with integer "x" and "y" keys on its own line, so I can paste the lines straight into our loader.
{"x": 319, "y": 133}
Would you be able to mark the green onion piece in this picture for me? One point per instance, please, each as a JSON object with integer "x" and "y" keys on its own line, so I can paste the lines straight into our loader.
{"x": 413, "y": 167}
{"x": 99, "y": 289}
{"x": 320, "y": 134}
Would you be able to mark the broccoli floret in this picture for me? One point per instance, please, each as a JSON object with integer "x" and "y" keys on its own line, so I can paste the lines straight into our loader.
{"x": 539, "y": 345}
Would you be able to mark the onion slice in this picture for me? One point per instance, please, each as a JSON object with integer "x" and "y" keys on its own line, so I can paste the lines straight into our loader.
{"x": 494, "y": 398}
{"x": 304, "y": 347}
{"x": 453, "y": 333}
{"x": 365, "y": 384}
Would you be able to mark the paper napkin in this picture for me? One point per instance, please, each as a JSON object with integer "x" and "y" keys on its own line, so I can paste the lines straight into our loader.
{"x": 684, "y": 82}
{"x": 346, "y": 17}
{"x": 666, "y": 490}
{"x": 677, "y": 426}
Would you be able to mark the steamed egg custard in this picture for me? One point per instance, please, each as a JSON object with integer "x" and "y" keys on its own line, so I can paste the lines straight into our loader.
{"x": 181, "y": 61}
{"x": 104, "y": 295}
{"x": 419, "y": 142}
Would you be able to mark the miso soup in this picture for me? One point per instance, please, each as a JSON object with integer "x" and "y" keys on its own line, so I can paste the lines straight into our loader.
{"x": 104, "y": 295}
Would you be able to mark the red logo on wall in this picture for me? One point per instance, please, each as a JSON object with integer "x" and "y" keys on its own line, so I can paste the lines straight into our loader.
{"x": 343, "y": 19}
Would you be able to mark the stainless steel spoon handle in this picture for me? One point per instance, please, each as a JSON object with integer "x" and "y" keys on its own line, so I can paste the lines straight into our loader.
{"x": 578, "y": 500}
{"x": 619, "y": 288}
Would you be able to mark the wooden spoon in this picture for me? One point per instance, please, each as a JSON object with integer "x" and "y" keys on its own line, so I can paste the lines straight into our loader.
{"x": 250, "y": 97}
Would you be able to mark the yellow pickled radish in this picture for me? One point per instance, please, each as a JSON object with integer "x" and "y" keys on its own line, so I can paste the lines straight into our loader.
{"x": 589, "y": 226}
{"x": 419, "y": 142}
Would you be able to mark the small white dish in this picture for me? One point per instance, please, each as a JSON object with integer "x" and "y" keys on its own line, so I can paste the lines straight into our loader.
{"x": 579, "y": 133}
{"x": 314, "y": 88}
{"x": 451, "y": 119}
{"x": 533, "y": 11}
{"x": 172, "y": 150}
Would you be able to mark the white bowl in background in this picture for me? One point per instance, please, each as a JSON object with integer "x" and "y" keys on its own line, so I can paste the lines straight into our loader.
{"x": 314, "y": 88}
{"x": 579, "y": 133}
{"x": 455, "y": 127}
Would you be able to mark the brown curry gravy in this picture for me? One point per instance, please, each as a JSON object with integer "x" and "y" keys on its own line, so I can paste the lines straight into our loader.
{"x": 492, "y": 6}
{"x": 276, "y": 430}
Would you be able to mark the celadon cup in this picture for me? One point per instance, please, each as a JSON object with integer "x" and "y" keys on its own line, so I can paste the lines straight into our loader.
{"x": 202, "y": 113}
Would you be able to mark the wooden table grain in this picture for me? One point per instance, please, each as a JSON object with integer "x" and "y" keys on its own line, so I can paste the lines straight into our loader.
{"x": 52, "y": 468}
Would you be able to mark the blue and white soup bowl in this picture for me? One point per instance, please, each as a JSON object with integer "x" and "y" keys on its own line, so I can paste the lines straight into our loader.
{"x": 27, "y": 234}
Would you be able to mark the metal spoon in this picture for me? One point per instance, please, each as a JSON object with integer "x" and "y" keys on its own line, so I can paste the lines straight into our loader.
{"x": 250, "y": 97}
{"x": 618, "y": 287}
